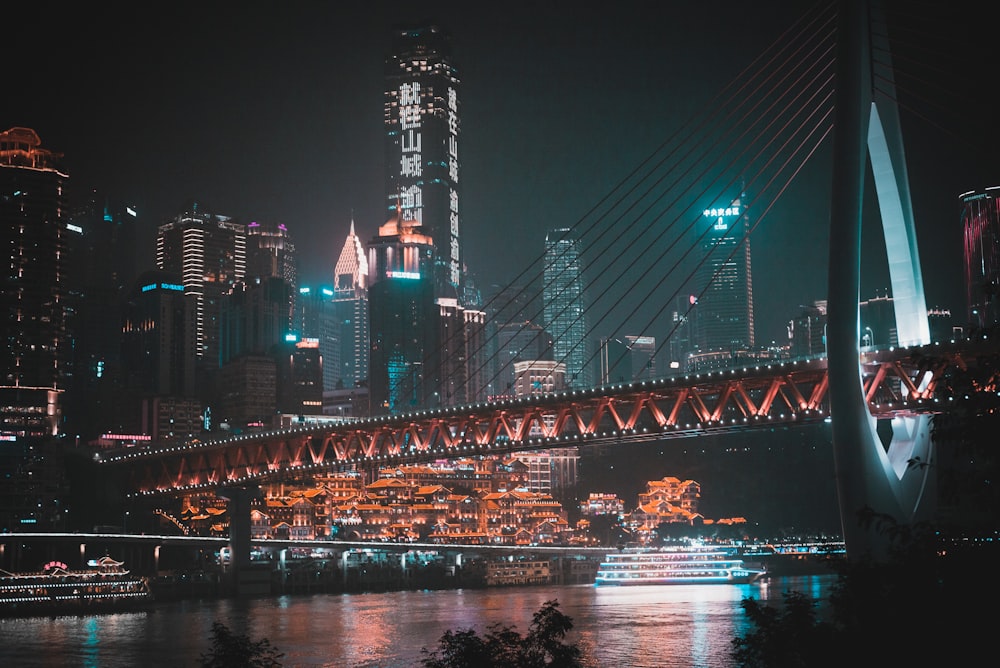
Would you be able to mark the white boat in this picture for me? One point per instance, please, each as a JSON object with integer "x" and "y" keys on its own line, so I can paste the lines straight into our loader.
{"x": 58, "y": 590}
{"x": 688, "y": 565}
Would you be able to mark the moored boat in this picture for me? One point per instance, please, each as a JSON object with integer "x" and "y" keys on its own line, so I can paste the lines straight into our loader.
{"x": 687, "y": 565}
{"x": 107, "y": 586}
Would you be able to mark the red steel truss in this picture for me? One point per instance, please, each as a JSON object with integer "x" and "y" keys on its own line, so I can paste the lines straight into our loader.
{"x": 895, "y": 381}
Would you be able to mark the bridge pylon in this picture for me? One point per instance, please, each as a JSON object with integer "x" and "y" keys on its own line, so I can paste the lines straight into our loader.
{"x": 871, "y": 477}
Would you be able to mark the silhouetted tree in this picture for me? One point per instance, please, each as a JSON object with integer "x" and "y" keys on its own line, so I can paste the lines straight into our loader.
{"x": 503, "y": 647}
{"x": 233, "y": 650}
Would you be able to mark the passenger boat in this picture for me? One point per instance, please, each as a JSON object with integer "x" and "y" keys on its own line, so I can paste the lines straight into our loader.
{"x": 107, "y": 586}
{"x": 687, "y": 565}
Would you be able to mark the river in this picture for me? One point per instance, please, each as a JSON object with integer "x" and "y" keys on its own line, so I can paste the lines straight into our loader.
{"x": 639, "y": 627}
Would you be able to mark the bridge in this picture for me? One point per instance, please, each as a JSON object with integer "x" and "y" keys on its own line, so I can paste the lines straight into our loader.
{"x": 784, "y": 126}
{"x": 917, "y": 380}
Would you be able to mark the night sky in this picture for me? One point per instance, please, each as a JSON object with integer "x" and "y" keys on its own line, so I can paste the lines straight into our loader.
{"x": 273, "y": 112}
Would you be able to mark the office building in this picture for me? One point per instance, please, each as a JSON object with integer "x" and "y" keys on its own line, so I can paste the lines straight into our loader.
{"x": 517, "y": 342}
{"x": 551, "y": 471}
{"x": 981, "y": 230}
{"x": 253, "y": 318}
{"x": 724, "y": 307}
{"x": 299, "y": 377}
{"x": 807, "y": 331}
{"x": 422, "y": 134}
{"x": 463, "y": 376}
{"x": 316, "y": 318}
{"x": 624, "y": 359}
{"x": 35, "y": 289}
{"x": 103, "y": 264}
{"x": 159, "y": 348}
{"x": 271, "y": 254}
{"x": 350, "y": 309}
{"x": 405, "y": 339}
{"x": 209, "y": 253}
{"x": 564, "y": 306}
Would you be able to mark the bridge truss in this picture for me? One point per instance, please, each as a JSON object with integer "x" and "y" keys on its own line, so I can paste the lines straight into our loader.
{"x": 900, "y": 381}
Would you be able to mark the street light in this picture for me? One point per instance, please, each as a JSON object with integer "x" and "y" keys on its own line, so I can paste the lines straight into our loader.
{"x": 869, "y": 338}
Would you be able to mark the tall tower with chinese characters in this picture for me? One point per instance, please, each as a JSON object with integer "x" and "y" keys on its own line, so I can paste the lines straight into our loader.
{"x": 421, "y": 145}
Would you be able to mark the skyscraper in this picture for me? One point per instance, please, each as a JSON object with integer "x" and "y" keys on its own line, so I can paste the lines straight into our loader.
{"x": 724, "y": 309}
{"x": 981, "y": 228}
{"x": 422, "y": 128}
{"x": 209, "y": 253}
{"x": 271, "y": 253}
{"x": 103, "y": 267}
{"x": 405, "y": 322}
{"x": 350, "y": 306}
{"x": 159, "y": 352}
{"x": 564, "y": 308}
{"x": 35, "y": 287}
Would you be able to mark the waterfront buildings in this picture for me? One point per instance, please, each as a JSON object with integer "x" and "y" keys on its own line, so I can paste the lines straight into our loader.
{"x": 981, "y": 232}
{"x": 564, "y": 307}
{"x": 422, "y": 135}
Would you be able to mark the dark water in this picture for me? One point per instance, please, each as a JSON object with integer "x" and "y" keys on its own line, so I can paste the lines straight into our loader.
{"x": 650, "y": 626}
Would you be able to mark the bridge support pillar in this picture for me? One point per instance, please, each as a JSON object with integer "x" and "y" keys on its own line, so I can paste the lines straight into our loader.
{"x": 238, "y": 505}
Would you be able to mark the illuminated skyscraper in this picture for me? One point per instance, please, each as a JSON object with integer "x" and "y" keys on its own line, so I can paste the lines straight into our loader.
{"x": 350, "y": 305}
{"x": 421, "y": 144}
{"x": 209, "y": 253}
{"x": 981, "y": 227}
{"x": 271, "y": 254}
{"x": 564, "y": 308}
{"x": 724, "y": 318}
{"x": 35, "y": 287}
{"x": 405, "y": 322}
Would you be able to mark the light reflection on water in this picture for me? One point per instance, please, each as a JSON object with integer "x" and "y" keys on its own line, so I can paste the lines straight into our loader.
{"x": 639, "y": 627}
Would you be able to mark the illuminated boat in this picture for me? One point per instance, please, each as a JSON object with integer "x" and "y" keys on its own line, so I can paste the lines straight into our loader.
{"x": 688, "y": 565}
{"x": 57, "y": 590}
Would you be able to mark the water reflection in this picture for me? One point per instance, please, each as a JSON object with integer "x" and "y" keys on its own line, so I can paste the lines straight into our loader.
{"x": 640, "y": 627}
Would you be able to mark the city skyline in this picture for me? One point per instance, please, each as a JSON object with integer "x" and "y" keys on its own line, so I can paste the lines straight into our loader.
{"x": 278, "y": 119}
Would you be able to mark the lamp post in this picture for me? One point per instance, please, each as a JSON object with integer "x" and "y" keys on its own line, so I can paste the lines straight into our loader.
{"x": 869, "y": 338}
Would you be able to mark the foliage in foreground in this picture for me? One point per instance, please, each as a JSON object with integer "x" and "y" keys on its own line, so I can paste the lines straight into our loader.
{"x": 232, "y": 650}
{"x": 503, "y": 647}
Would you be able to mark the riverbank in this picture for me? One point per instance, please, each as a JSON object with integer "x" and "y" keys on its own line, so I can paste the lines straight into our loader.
{"x": 375, "y": 576}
